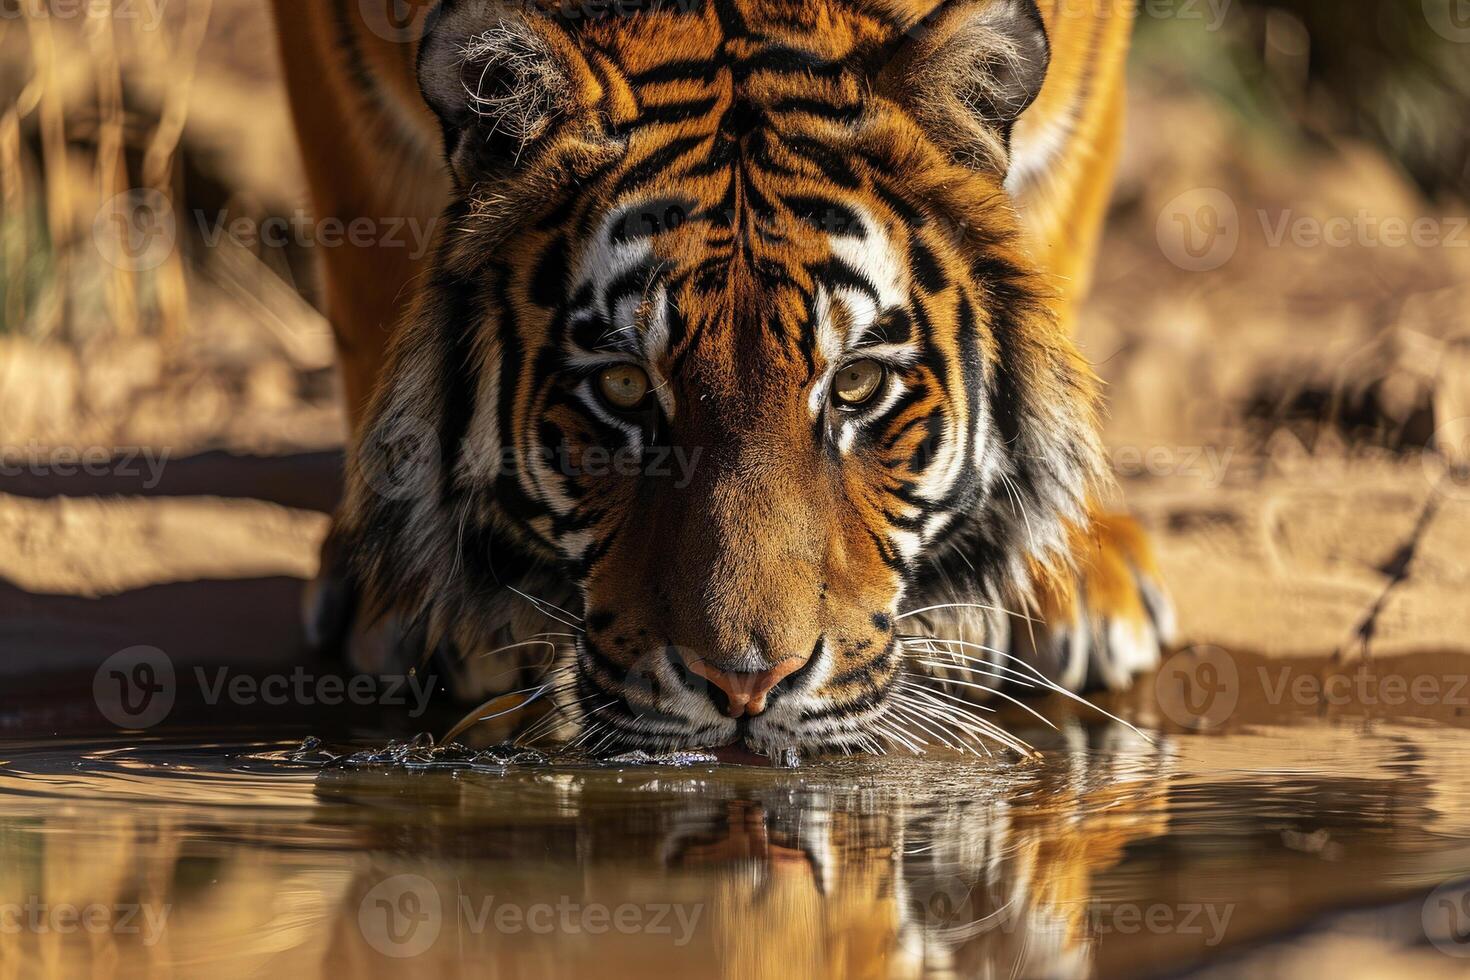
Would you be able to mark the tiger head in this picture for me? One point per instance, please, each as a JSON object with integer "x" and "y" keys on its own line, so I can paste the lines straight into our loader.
{"x": 730, "y": 329}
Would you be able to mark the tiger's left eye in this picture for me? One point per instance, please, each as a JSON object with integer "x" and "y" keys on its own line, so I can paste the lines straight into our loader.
{"x": 624, "y": 386}
{"x": 857, "y": 383}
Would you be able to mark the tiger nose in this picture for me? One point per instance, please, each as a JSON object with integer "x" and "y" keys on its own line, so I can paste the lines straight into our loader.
{"x": 745, "y": 691}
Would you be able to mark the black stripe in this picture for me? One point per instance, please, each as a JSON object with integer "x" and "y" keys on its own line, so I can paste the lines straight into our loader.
{"x": 347, "y": 42}
{"x": 895, "y": 326}
{"x": 783, "y": 60}
{"x": 549, "y": 275}
{"x": 925, "y": 268}
{"x": 670, "y": 113}
{"x": 826, "y": 215}
{"x": 837, "y": 274}
{"x": 833, "y": 167}
{"x": 844, "y": 114}
{"x": 686, "y": 70}
{"x": 657, "y": 164}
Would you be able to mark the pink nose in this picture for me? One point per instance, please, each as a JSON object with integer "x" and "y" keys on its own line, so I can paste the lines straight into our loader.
{"x": 746, "y": 690}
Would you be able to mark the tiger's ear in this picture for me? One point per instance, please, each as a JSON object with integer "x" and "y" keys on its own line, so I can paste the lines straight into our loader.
{"x": 500, "y": 77}
{"x": 967, "y": 71}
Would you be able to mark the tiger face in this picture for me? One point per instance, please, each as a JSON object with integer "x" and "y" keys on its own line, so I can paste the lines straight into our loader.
{"x": 731, "y": 333}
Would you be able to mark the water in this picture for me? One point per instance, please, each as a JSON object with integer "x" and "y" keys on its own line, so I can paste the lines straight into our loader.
{"x": 239, "y": 852}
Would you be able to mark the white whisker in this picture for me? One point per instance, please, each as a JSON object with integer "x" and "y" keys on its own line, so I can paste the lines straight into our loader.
{"x": 513, "y": 646}
{"x": 1046, "y": 682}
{"x": 470, "y": 721}
{"x": 917, "y": 718}
{"x": 1011, "y": 674}
{"x": 961, "y": 605}
{"x": 539, "y": 603}
{"x": 975, "y": 725}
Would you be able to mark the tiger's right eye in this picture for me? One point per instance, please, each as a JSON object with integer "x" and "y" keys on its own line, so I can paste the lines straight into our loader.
{"x": 623, "y": 386}
{"x": 857, "y": 383}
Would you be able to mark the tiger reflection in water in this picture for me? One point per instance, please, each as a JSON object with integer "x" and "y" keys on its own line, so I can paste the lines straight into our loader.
{"x": 876, "y": 884}
{"x": 848, "y": 872}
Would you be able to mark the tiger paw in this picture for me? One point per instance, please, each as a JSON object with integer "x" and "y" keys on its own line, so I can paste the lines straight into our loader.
{"x": 337, "y": 627}
{"x": 1106, "y": 622}
{"x": 501, "y": 679}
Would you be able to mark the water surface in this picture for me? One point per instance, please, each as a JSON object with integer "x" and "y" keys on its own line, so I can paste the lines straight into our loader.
{"x": 231, "y": 852}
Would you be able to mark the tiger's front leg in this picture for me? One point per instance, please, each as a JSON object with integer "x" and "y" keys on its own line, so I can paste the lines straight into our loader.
{"x": 1104, "y": 620}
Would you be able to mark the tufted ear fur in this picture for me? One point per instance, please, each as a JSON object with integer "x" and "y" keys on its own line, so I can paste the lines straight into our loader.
{"x": 499, "y": 76}
{"x": 968, "y": 71}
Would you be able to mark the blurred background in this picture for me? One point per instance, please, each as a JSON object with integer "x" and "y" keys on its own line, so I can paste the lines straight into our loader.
{"x": 1280, "y": 314}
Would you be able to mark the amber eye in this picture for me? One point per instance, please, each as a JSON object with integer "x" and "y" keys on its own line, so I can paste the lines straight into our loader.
{"x": 624, "y": 386}
{"x": 857, "y": 383}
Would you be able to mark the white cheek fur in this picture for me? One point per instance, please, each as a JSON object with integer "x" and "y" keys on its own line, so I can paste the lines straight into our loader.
{"x": 600, "y": 265}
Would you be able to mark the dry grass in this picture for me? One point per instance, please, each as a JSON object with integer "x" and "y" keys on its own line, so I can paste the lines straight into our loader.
{"x": 125, "y": 141}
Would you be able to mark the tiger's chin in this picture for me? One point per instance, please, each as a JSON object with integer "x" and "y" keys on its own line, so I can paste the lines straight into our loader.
{"x": 747, "y": 740}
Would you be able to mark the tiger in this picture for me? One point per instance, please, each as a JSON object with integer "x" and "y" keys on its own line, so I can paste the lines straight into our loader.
{"x": 740, "y": 379}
